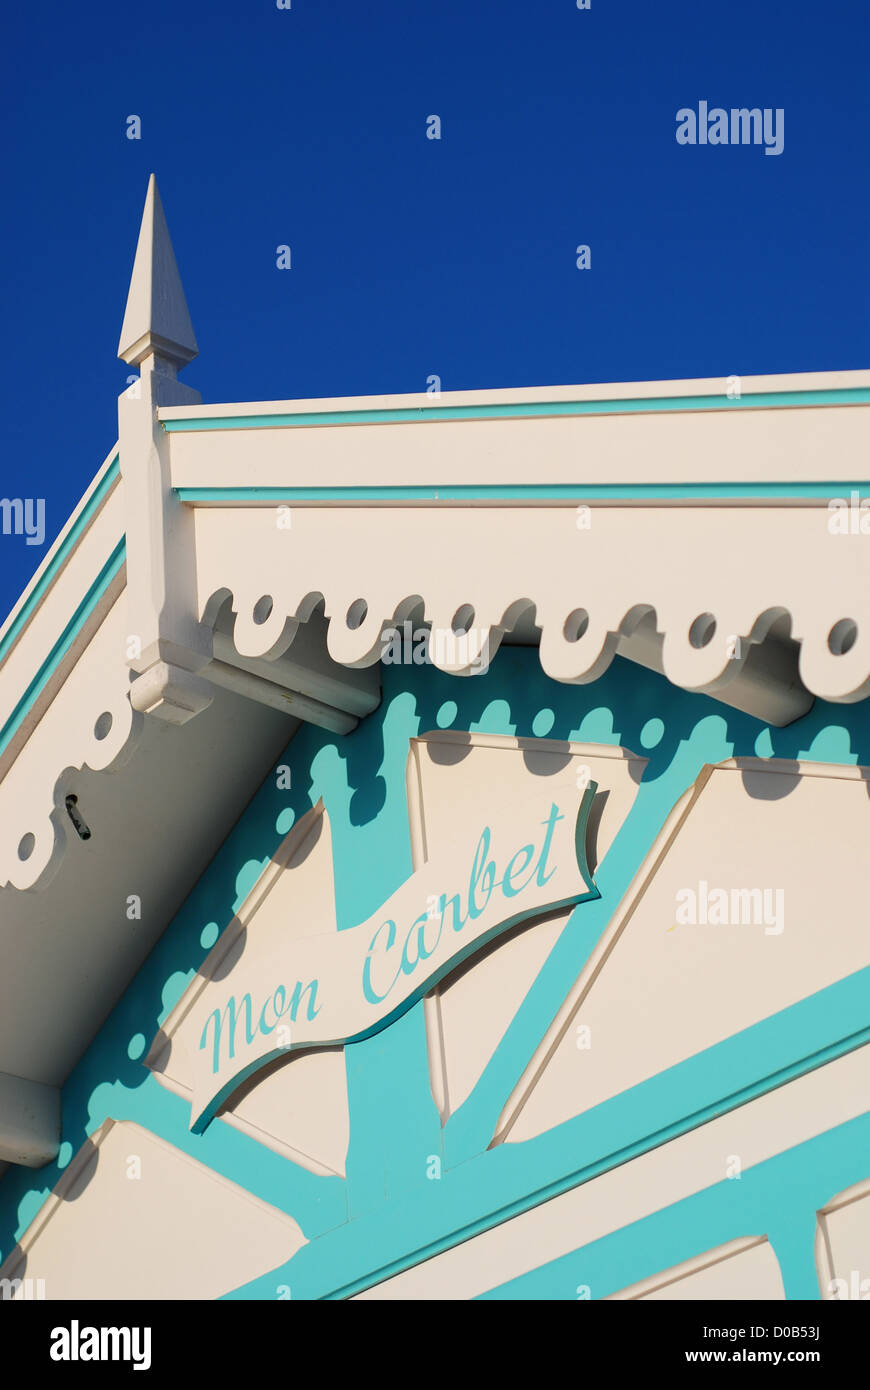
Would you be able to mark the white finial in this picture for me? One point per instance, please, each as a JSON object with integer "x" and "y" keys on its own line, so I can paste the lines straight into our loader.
{"x": 156, "y": 322}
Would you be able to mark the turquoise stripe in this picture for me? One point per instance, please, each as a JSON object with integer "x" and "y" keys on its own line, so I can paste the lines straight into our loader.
{"x": 397, "y": 1215}
{"x": 71, "y": 540}
{"x": 859, "y": 395}
{"x": 779, "y": 1196}
{"x": 64, "y": 642}
{"x": 779, "y": 1030}
{"x": 527, "y": 492}
{"x": 387, "y": 1210}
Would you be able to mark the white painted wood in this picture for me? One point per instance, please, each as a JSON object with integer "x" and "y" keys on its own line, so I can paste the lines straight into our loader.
{"x": 179, "y": 1230}
{"x": 50, "y": 555}
{"x": 657, "y": 990}
{"x": 266, "y": 692}
{"x": 158, "y": 336}
{"x": 596, "y": 391}
{"x": 156, "y": 817}
{"x": 514, "y": 558}
{"x": 298, "y": 1108}
{"x": 745, "y": 1269}
{"x": 771, "y": 1124}
{"x": 156, "y": 320}
{"x": 454, "y": 781}
{"x": 29, "y": 1121}
{"x": 174, "y": 649}
{"x": 732, "y": 445}
{"x": 301, "y": 663}
{"x": 160, "y": 590}
{"x": 521, "y": 864}
{"x": 66, "y": 738}
{"x": 51, "y": 618}
{"x": 185, "y": 562}
{"x": 843, "y": 1245}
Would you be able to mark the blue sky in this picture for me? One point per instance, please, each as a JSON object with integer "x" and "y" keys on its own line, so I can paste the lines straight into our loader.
{"x": 413, "y": 256}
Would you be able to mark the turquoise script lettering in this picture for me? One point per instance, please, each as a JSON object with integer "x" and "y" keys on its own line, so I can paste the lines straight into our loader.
{"x": 382, "y": 970}
{"x": 232, "y": 1015}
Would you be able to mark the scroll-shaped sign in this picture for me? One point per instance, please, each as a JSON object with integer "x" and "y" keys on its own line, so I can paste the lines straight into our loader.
{"x": 340, "y": 987}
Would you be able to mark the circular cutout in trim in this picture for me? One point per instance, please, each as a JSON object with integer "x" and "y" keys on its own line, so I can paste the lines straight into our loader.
{"x": 26, "y": 846}
{"x": 702, "y": 630}
{"x": 462, "y": 619}
{"x": 842, "y": 636}
{"x": 356, "y": 614}
{"x": 575, "y": 625}
{"x": 262, "y": 609}
{"x": 103, "y": 726}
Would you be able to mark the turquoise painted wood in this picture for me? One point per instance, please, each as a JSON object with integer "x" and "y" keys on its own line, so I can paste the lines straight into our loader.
{"x": 755, "y": 400}
{"x": 64, "y": 641}
{"x": 389, "y": 1213}
{"x": 59, "y": 559}
{"x": 526, "y": 492}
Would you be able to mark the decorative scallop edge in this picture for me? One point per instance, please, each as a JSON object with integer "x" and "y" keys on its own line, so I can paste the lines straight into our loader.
{"x": 67, "y": 736}
{"x": 358, "y": 640}
{"x": 834, "y": 659}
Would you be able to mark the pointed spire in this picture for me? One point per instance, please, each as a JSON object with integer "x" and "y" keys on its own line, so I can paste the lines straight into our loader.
{"x": 156, "y": 321}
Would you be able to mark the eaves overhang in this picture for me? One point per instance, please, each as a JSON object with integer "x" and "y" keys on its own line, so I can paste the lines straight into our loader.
{"x": 708, "y": 534}
{"x": 240, "y": 568}
{"x": 237, "y": 569}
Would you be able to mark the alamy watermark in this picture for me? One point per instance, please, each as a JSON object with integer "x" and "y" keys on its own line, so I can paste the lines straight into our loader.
{"x": 849, "y": 516}
{"x": 405, "y": 645}
{"x": 23, "y": 516}
{"x": 739, "y": 126}
{"x": 735, "y": 907}
{"x": 77, "y": 1343}
{"x": 855, "y": 1287}
{"x": 21, "y": 1289}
